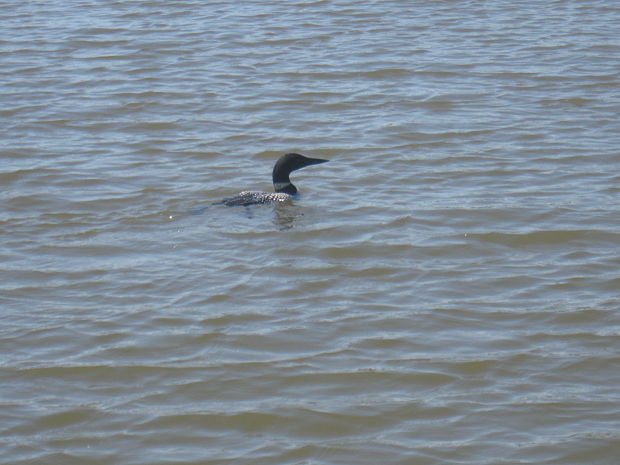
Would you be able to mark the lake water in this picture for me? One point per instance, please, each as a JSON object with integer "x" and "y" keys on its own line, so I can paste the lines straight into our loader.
{"x": 446, "y": 290}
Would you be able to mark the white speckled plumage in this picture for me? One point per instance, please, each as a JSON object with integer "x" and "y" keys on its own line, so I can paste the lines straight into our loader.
{"x": 253, "y": 198}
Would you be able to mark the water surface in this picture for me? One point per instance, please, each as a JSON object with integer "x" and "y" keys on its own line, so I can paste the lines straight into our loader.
{"x": 444, "y": 291}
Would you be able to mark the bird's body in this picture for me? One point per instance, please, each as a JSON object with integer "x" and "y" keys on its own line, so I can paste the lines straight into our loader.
{"x": 284, "y": 188}
{"x": 255, "y": 198}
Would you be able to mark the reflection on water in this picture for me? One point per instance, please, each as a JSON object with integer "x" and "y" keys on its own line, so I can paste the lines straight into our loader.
{"x": 284, "y": 213}
{"x": 284, "y": 216}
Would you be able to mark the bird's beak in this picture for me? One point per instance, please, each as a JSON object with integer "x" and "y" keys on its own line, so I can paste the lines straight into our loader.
{"x": 316, "y": 161}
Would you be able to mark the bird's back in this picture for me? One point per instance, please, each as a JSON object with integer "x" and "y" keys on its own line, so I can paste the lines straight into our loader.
{"x": 255, "y": 198}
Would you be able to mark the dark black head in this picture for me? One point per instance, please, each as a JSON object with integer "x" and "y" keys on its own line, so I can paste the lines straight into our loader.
{"x": 285, "y": 165}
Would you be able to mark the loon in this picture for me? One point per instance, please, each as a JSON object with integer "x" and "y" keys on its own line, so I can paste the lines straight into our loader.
{"x": 284, "y": 188}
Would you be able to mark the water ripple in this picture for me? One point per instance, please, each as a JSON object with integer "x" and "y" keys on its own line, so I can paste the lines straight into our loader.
{"x": 443, "y": 291}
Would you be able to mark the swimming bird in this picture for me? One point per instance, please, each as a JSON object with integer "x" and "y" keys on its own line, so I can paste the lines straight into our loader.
{"x": 284, "y": 188}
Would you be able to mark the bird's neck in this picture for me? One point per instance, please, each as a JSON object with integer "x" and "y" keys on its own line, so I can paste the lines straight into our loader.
{"x": 282, "y": 183}
{"x": 286, "y": 187}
